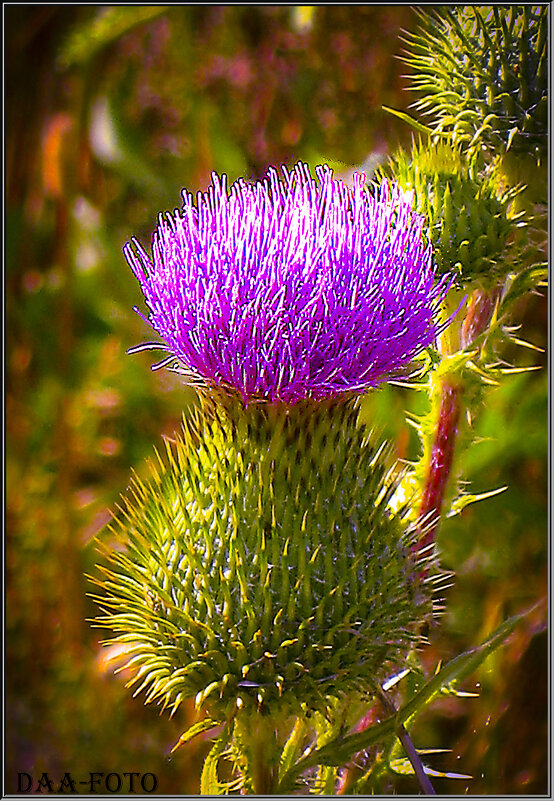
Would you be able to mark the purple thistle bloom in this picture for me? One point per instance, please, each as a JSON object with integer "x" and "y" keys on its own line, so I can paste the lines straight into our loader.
{"x": 284, "y": 290}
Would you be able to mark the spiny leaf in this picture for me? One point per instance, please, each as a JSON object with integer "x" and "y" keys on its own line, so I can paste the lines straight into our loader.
{"x": 342, "y": 750}
{"x": 457, "y": 669}
{"x": 410, "y": 120}
{"x": 404, "y": 768}
{"x": 198, "y": 728}
{"x": 209, "y": 782}
{"x": 464, "y": 500}
{"x": 524, "y": 282}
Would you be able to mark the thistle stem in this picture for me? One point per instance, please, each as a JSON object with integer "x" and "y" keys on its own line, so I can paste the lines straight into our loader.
{"x": 264, "y": 778}
{"x": 258, "y": 746}
{"x": 410, "y": 749}
{"x": 351, "y": 772}
{"x": 450, "y": 408}
{"x": 480, "y": 310}
{"x": 415, "y": 761}
{"x": 441, "y": 458}
{"x": 479, "y": 314}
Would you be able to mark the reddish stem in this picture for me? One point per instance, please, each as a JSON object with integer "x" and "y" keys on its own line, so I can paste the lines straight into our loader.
{"x": 478, "y": 317}
{"x": 440, "y": 461}
{"x": 351, "y": 772}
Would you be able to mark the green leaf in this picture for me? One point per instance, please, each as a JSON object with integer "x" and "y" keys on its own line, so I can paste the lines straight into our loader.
{"x": 292, "y": 746}
{"x": 404, "y": 768}
{"x": 198, "y": 728}
{"x": 456, "y": 670}
{"x": 342, "y": 750}
{"x": 524, "y": 282}
{"x": 410, "y": 120}
{"x": 209, "y": 783}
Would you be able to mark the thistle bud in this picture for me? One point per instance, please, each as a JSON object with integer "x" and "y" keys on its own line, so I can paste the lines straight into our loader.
{"x": 470, "y": 216}
{"x": 481, "y": 72}
{"x": 276, "y": 575}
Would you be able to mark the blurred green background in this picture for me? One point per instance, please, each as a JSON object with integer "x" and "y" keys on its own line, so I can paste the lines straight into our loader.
{"x": 110, "y": 112}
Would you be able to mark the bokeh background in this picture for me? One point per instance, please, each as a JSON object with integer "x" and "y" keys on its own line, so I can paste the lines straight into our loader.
{"x": 110, "y": 112}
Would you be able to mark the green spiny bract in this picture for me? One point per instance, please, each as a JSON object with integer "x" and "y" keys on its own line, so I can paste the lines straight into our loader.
{"x": 470, "y": 217}
{"x": 482, "y": 72}
{"x": 261, "y": 567}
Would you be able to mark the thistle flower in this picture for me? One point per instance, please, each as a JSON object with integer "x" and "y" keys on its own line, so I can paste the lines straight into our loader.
{"x": 261, "y": 569}
{"x": 284, "y": 290}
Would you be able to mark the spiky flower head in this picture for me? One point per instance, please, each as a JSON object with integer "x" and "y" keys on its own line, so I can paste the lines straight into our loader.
{"x": 288, "y": 289}
{"x": 470, "y": 215}
{"x": 262, "y": 568}
{"x": 482, "y": 73}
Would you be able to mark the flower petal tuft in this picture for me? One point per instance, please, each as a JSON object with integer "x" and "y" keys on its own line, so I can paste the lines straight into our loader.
{"x": 291, "y": 288}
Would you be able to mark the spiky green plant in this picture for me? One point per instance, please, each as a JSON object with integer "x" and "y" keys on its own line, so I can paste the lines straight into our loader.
{"x": 262, "y": 572}
{"x": 470, "y": 215}
{"x": 482, "y": 74}
{"x": 263, "y": 569}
